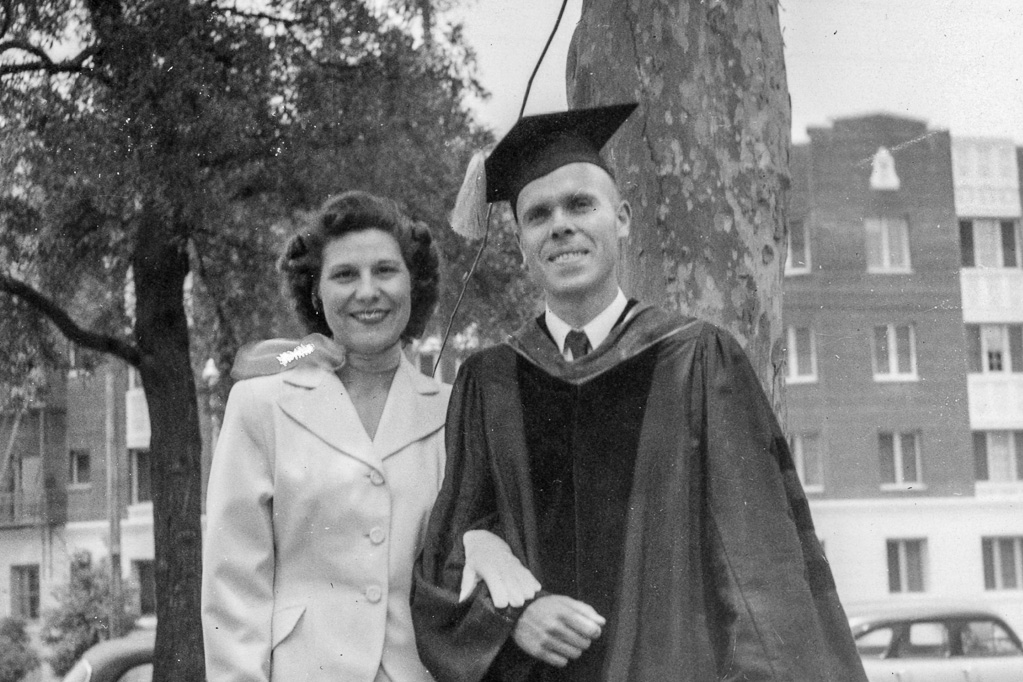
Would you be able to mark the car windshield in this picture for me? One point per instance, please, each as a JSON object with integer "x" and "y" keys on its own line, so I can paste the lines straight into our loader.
{"x": 874, "y": 643}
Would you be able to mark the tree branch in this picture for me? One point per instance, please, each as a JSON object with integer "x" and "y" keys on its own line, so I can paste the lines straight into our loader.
{"x": 256, "y": 15}
{"x": 68, "y": 327}
{"x": 26, "y": 46}
{"x": 44, "y": 63}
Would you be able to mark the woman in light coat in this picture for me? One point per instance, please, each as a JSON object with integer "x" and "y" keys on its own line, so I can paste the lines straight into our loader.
{"x": 329, "y": 460}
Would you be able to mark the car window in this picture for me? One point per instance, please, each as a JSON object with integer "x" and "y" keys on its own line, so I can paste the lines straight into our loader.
{"x": 140, "y": 673}
{"x": 987, "y": 638}
{"x": 874, "y": 644}
{"x": 924, "y": 640}
{"x": 81, "y": 672}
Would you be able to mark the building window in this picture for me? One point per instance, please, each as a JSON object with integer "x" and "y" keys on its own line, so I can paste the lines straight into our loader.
{"x": 140, "y": 476}
{"x": 798, "y": 260}
{"x": 145, "y": 572}
{"x": 887, "y": 245}
{"x": 990, "y": 243}
{"x": 995, "y": 347}
{"x": 998, "y": 455}
{"x": 806, "y": 455}
{"x": 1003, "y": 563}
{"x": 801, "y": 352}
{"x": 906, "y": 565}
{"x": 882, "y": 174}
{"x": 894, "y": 353}
{"x": 25, "y": 591}
{"x": 79, "y": 473}
{"x": 426, "y": 362}
{"x": 899, "y": 455}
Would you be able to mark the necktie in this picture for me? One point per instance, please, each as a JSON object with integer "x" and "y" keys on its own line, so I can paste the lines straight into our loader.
{"x": 578, "y": 343}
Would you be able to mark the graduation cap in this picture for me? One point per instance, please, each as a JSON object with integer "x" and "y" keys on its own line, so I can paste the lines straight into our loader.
{"x": 534, "y": 147}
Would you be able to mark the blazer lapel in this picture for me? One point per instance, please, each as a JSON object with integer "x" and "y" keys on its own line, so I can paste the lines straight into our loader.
{"x": 416, "y": 407}
{"x": 317, "y": 400}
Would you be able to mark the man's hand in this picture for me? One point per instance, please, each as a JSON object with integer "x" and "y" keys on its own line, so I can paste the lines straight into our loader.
{"x": 488, "y": 558}
{"x": 557, "y": 629}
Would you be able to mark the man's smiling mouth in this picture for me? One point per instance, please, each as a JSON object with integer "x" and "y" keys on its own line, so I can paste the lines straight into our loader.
{"x": 567, "y": 256}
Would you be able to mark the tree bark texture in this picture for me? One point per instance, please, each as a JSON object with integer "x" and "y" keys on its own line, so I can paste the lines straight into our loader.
{"x": 703, "y": 161}
{"x": 160, "y": 265}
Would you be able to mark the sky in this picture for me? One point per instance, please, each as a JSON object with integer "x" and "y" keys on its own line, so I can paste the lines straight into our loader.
{"x": 955, "y": 64}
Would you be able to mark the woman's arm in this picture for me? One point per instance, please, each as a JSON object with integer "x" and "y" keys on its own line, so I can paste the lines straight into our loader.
{"x": 238, "y": 552}
{"x": 490, "y": 559}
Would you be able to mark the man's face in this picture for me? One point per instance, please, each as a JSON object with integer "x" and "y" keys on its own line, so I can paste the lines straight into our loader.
{"x": 570, "y": 221}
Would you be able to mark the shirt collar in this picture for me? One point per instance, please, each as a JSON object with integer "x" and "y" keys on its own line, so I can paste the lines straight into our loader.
{"x": 596, "y": 330}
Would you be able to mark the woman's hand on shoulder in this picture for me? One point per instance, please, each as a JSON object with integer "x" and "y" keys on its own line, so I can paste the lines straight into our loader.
{"x": 490, "y": 559}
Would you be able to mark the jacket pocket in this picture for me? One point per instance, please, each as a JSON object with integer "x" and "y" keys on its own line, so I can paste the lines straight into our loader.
{"x": 283, "y": 623}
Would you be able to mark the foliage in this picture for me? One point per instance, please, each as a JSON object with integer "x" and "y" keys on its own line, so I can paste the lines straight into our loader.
{"x": 83, "y": 615}
{"x": 17, "y": 657}
{"x": 155, "y": 155}
{"x": 230, "y": 122}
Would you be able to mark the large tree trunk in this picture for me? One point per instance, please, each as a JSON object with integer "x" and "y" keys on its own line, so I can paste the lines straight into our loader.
{"x": 704, "y": 161}
{"x": 160, "y": 265}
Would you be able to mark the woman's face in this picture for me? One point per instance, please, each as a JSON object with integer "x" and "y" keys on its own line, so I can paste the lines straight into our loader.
{"x": 366, "y": 290}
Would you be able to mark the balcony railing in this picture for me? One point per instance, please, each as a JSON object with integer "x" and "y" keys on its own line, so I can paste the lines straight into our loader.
{"x": 996, "y": 401}
{"x": 48, "y": 506}
{"x": 992, "y": 295}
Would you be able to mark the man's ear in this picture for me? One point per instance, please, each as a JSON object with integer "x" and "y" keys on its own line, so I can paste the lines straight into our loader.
{"x": 624, "y": 218}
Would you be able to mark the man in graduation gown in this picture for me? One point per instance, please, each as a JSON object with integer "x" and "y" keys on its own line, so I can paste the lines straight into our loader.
{"x": 630, "y": 459}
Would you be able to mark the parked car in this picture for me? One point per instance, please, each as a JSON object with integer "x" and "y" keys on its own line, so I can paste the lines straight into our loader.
{"x": 124, "y": 659}
{"x": 935, "y": 643}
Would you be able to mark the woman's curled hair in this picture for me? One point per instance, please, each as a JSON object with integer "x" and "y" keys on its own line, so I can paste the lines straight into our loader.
{"x": 302, "y": 260}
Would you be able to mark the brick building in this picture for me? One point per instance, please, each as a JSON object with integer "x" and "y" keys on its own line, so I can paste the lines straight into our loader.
{"x": 55, "y": 501}
{"x": 33, "y": 500}
{"x": 903, "y": 304}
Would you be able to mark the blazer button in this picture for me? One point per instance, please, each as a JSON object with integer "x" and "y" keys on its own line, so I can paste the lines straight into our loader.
{"x": 376, "y": 477}
{"x": 373, "y": 593}
{"x": 376, "y": 536}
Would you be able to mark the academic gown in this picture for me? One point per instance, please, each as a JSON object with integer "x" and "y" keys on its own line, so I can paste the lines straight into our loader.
{"x": 649, "y": 479}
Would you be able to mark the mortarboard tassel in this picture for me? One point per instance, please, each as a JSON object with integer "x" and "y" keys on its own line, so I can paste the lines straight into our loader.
{"x": 469, "y": 217}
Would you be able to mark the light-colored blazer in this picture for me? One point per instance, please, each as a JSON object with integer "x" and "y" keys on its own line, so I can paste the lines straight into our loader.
{"x": 312, "y": 529}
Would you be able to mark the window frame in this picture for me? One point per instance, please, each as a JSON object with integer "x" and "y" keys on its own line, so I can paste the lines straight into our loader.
{"x": 983, "y": 453}
{"x": 792, "y": 356}
{"x": 996, "y": 232}
{"x": 892, "y": 339}
{"x": 145, "y": 575}
{"x": 994, "y": 563}
{"x": 1009, "y": 362}
{"x": 886, "y": 267}
{"x": 74, "y": 468}
{"x": 430, "y": 359}
{"x": 25, "y": 605}
{"x": 898, "y": 459}
{"x": 791, "y": 269}
{"x": 134, "y": 477}
{"x": 797, "y": 445}
{"x": 901, "y": 546}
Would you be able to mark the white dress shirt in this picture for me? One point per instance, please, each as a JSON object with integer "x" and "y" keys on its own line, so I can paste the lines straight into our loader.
{"x": 596, "y": 330}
